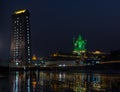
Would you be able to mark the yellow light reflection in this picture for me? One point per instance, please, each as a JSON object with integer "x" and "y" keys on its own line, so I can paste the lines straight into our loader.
{"x": 34, "y": 84}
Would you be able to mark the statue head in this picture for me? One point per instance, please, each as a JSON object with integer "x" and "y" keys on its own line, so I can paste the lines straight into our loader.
{"x": 79, "y": 37}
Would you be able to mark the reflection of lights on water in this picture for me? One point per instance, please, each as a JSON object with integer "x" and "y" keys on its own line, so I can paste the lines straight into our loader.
{"x": 96, "y": 79}
{"x": 41, "y": 78}
{"x": 60, "y": 76}
{"x": 51, "y": 75}
{"x": 63, "y": 75}
{"x": 34, "y": 84}
{"x": 79, "y": 82}
{"x": 80, "y": 89}
{"x": 28, "y": 83}
{"x": 15, "y": 85}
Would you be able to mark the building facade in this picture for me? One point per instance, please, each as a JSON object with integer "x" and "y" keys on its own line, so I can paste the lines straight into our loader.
{"x": 20, "y": 39}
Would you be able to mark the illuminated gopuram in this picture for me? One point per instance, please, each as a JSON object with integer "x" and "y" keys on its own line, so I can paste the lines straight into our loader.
{"x": 79, "y": 45}
{"x": 20, "y": 39}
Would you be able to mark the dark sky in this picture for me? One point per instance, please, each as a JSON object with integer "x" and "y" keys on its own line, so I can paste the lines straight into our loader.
{"x": 55, "y": 22}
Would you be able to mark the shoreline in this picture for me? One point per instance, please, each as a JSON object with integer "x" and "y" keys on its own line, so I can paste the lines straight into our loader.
{"x": 108, "y": 68}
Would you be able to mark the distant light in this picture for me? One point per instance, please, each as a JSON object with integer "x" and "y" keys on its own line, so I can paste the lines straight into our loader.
{"x": 60, "y": 65}
{"x": 97, "y": 62}
{"x": 97, "y": 52}
{"x": 55, "y": 54}
{"x": 35, "y": 64}
{"x": 17, "y": 63}
{"x": 20, "y": 11}
{"x": 34, "y": 58}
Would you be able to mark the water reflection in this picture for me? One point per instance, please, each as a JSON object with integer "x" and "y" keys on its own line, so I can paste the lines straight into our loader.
{"x": 44, "y": 81}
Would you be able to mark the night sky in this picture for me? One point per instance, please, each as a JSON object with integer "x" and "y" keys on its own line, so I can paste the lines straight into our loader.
{"x": 55, "y": 22}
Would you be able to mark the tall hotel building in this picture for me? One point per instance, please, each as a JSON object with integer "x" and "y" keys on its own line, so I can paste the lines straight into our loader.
{"x": 20, "y": 39}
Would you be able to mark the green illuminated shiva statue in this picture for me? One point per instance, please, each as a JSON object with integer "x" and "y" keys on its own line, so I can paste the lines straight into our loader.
{"x": 79, "y": 44}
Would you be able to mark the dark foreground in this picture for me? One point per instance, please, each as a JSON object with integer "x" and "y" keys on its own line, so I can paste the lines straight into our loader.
{"x": 59, "y": 81}
{"x": 99, "y": 78}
